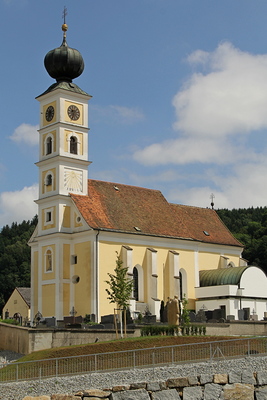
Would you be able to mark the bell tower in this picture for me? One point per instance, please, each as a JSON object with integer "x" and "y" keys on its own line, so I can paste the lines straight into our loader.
{"x": 63, "y": 170}
{"x": 63, "y": 135}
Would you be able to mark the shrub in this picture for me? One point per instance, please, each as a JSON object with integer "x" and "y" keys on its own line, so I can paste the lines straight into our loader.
{"x": 9, "y": 321}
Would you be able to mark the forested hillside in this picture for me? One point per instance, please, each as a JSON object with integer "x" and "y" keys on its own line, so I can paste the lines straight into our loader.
{"x": 249, "y": 226}
{"x": 15, "y": 257}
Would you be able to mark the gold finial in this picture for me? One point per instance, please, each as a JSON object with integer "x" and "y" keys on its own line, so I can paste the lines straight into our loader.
{"x": 64, "y": 26}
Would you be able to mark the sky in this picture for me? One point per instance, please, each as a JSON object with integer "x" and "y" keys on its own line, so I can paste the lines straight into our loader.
{"x": 179, "y": 96}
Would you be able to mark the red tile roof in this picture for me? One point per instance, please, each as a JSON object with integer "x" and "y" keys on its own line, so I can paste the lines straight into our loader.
{"x": 131, "y": 209}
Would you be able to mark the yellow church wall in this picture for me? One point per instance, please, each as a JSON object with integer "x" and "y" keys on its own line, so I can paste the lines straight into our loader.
{"x": 77, "y": 221}
{"x": 34, "y": 306}
{"x": 208, "y": 260}
{"x": 49, "y": 302}
{"x": 66, "y": 217}
{"x": 140, "y": 254}
{"x": 82, "y": 289}
{"x": 66, "y": 299}
{"x": 234, "y": 259}
{"x": 66, "y": 261}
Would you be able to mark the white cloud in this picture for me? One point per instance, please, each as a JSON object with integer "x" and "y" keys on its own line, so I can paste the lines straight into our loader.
{"x": 18, "y": 205}
{"x": 214, "y": 108}
{"x": 221, "y": 124}
{"x": 119, "y": 114}
{"x": 242, "y": 186}
{"x": 26, "y": 133}
{"x": 231, "y": 97}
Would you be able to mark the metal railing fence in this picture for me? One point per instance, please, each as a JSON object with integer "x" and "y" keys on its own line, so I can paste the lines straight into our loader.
{"x": 130, "y": 359}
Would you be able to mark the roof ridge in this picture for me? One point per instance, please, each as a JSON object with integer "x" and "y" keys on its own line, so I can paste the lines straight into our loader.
{"x": 125, "y": 184}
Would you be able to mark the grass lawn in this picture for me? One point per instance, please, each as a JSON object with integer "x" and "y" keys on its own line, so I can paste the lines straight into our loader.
{"x": 120, "y": 345}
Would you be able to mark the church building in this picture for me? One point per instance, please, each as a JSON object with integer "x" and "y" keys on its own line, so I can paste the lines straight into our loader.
{"x": 83, "y": 224}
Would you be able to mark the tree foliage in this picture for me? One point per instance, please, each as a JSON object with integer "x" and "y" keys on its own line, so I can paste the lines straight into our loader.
{"x": 120, "y": 286}
{"x": 249, "y": 226}
{"x": 15, "y": 257}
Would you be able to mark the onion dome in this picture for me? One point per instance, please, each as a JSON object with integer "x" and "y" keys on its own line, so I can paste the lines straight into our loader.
{"x": 64, "y": 63}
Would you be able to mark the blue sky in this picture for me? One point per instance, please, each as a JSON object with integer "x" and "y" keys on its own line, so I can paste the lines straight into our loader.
{"x": 179, "y": 96}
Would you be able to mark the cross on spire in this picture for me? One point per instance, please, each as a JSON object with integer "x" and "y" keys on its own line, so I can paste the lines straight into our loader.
{"x": 65, "y": 12}
{"x": 212, "y": 196}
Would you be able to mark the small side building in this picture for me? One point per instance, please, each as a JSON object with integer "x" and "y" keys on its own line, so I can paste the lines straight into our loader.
{"x": 234, "y": 292}
{"x": 18, "y": 305}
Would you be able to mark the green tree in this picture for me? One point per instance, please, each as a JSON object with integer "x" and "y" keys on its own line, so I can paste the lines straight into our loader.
{"x": 15, "y": 257}
{"x": 120, "y": 288}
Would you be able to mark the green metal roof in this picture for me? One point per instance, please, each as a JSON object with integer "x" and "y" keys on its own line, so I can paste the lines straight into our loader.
{"x": 222, "y": 276}
{"x": 69, "y": 86}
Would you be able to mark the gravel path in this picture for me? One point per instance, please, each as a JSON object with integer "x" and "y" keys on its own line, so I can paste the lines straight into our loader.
{"x": 71, "y": 384}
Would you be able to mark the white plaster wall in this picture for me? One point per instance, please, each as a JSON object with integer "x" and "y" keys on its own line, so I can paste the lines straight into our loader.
{"x": 254, "y": 282}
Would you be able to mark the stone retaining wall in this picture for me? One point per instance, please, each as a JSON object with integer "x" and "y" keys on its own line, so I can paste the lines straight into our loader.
{"x": 244, "y": 385}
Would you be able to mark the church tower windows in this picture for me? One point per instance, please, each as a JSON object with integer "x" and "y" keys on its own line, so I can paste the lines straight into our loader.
{"x": 73, "y": 145}
{"x": 48, "y": 146}
{"x": 49, "y": 180}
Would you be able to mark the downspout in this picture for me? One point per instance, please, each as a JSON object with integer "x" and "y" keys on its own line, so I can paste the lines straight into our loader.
{"x": 96, "y": 275}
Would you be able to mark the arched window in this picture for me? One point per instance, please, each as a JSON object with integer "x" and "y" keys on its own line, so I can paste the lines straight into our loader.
{"x": 49, "y": 145}
{"x": 48, "y": 261}
{"x": 73, "y": 145}
{"x": 183, "y": 283}
{"x": 135, "y": 284}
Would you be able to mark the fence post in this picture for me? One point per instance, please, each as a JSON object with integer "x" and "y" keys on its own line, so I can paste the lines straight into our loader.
{"x": 248, "y": 348}
{"x": 172, "y": 356}
{"x": 134, "y": 359}
{"x": 95, "y": 362}
{"x": 17, "y": 373}
{"x": 56, "y": 367}
{"x": 210, "y": 351}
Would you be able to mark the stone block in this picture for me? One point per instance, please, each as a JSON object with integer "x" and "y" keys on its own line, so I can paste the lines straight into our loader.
{"x": 138, "y": 385}
{"x": 247, "y": 376}
{"x": 120, "y": 388}
{"x": 220, "y": 378}
{"x": 238, "y": 391}
{"x": 212, "y": 391}
{"x": 170, "y": 394}
{"x": 261, "y": 393}
{"x": 206, "y": 378}
{"x": 65, "y": 397}
{"x": 140, "y": 394}
{"x": 192, "y": 380}
{"x": 163, "y": 385}
{"x": 153, "y": 386}
{"x": 262, "y": 378}
{"x": 193, "y": 393}
{"x": 101, "y": 394}
{"x": 234, "y": 377}
{"x": 36, "y": 398}
{"x": 177, "y": 382}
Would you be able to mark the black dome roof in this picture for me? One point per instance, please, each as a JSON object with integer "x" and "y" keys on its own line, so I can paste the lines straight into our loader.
{"x": 64, "y": 63}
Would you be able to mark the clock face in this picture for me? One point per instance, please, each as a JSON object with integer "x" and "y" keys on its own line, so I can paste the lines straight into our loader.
{"x": 49, "y": 114}
{"x": 73, "y": 112}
